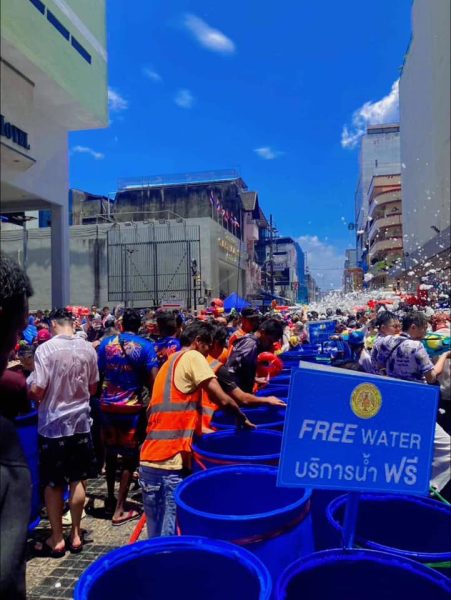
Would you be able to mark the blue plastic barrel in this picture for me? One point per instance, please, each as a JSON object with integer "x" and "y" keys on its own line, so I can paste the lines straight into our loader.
{"x": 27, "y": 430}
{"x": 355, "y": 574}
{"x": 231, "y": 447}
{"x": 264, "y": 417}
{"x": 280, "y": 391}
{"x": 281, "y": 380}
{"x": 189, "y": 568}
{"x": 243, "y": 504}
{"x": 409, "y": 526}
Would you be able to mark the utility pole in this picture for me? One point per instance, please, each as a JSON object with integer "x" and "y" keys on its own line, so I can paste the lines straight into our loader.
{"x": 194, "y": 275}
{"x": 271, "y": 254}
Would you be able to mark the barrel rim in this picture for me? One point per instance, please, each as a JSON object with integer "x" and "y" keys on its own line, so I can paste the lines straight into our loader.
{"x": 249, "y": 517}
{"x": 375, "y": 546}
{"x": 250, "y": 412}
{"x": 246, "y": 459}
{"x": 21, "y": 419}
{"x": 326, "y": 557}
{"x": 221, "y": 548}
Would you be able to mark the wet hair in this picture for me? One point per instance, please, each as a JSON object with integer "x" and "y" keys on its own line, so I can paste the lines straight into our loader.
{"x": 250, "y": 313}
{"x": 167, "y": 323}
{"x": 61, "y": 316}
{"x": 415, "y": 318}
{"x": 197, "y": 329}
{"x": 273, "y": 328}
{"x": 385, "y": 318}
{"x": 131, "y": 320}
{"x": 14, "y": 285}
{"x": 220, "y": 335}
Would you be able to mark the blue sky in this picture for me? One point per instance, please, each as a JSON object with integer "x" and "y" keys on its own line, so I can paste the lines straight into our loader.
{"x": 265, "y": 87}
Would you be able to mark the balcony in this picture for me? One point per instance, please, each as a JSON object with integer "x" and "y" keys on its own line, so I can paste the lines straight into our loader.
{"x": 383, "y": 223}
{"x": 383, "y": 199}
{"x": 385, "y": 246}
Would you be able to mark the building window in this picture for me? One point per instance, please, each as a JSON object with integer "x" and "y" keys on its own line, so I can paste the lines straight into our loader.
{"x": 57, "y": 24}
{"x": 81, "y": 50}
{"x": 39, "y": 5}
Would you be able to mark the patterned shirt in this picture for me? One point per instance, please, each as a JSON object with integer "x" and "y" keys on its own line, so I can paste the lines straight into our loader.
{"x": 125, "y": 361}
{"x": 165, "y": 347}
{"x": 402, "y": 357}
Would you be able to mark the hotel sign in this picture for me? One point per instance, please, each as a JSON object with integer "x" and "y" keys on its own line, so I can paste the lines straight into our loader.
{"x": 13, "y": 133}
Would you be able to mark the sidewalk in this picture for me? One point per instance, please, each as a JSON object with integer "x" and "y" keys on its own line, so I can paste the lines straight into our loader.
{"x": 48, "y": 578}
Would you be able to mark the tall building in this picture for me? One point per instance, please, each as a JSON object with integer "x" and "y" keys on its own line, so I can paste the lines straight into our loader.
{"x": 54, "y": 80}
{"x": 278, "y": 258}
{"x": 352, "y": 274}
{"x": 425, "y": 142}
{"x": 384, "y": 232}
{"x": 302, "y": 283}
{"x": 379, "y": 155}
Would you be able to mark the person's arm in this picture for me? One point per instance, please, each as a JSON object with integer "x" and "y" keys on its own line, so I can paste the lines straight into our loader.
{"x": 216, "y": 394}
{"x": 40, "y": 382}
{"x": 251, "y": 400}
{"x": 243, "y": 398}
{"x": 431, "y": 375}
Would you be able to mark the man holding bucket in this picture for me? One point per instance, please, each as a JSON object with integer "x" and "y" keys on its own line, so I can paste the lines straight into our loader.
{"x": 174, "y": 417}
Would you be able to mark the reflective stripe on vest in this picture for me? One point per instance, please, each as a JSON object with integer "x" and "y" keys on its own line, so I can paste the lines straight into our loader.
{"x": 173, "y": 416}
{"x": 208, "y": 406}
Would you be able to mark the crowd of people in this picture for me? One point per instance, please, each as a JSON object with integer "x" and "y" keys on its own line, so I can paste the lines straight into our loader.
{"x": 124, "y": 392}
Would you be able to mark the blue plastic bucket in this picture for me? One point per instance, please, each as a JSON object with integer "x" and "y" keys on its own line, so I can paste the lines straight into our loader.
{"x": 355, "y": 574}
{"x": 243, "y": 504}
{"x": 280, "y": 391}
{"x": 264, "y": 417}
{"x": 237, "y": 446}
{"x": 191, "y": 568}
{"x": 409, "y": 526}
{"x": 27, "y": 430}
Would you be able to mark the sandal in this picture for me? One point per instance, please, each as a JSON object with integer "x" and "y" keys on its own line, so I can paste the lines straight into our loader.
{"x": 130, "y": 515}
{"x": 46, "y": 551}
{"x": 75, "y": 549}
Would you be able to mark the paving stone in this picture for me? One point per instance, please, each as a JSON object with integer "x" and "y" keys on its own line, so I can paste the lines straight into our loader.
{"x": 44, "y": 573}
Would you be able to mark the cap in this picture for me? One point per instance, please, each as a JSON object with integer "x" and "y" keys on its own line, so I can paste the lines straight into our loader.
{"x": 356, "y": 338}
{"x": 43, "y": 336}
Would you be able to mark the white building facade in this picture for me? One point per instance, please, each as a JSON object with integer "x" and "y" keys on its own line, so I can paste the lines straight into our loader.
{"x": 54, "y": 80}
{"x": 425, "y": 141}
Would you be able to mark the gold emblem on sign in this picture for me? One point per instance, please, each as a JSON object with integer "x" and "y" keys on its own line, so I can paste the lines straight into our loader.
{"x": 366, "y": 400}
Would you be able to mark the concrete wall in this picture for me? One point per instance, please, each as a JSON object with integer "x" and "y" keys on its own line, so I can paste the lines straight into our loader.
{"x": 220, "y": 270}
{"x": 425, "y": 126}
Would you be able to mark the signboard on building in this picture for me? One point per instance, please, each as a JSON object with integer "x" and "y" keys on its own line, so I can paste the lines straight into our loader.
{"x": 172, "y": 303}
{"x": 353, "y": 431}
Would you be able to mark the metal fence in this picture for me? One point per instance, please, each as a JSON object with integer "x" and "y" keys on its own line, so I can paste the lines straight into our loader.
{"x": 153, "y": 263}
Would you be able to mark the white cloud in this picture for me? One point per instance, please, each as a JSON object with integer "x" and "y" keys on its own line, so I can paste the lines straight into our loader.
{"x": 210, "y": 38}
{"x": 325, "y": 262}
{"x": 90, "y": 151}
{"x": 184, "y": 98}
{"x": 385, "y": 110}
{"x": 267, "y": 153}
{"x": 115, "y": 101}
{"x": 151, "y": 74}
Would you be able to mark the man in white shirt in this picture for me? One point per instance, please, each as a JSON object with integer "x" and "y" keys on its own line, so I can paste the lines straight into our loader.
{"x": 65, "y": 376}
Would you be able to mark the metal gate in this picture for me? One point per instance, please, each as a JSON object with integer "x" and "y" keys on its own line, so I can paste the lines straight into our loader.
{"x": 153, "y": 263}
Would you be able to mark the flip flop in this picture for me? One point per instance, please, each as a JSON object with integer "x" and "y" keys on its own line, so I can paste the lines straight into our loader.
{"x": 75, "y": 549}
{"x": 131, "y": 515}
{"x": 47, "y": 551}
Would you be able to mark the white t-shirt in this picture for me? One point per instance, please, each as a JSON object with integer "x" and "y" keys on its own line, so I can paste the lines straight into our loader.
{"x": 65, "y": 367}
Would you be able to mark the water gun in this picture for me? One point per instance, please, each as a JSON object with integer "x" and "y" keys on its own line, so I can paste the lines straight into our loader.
{"x": 435, "y": 344}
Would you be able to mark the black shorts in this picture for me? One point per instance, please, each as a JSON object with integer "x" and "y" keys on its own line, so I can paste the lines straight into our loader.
{"x": 66, "y": 459}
